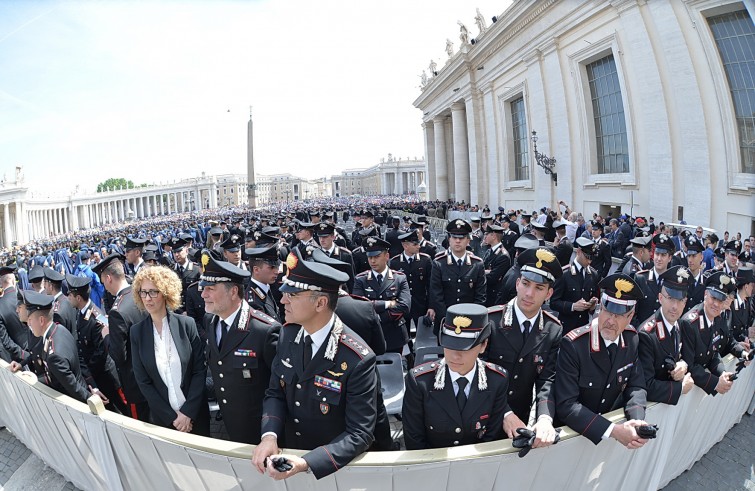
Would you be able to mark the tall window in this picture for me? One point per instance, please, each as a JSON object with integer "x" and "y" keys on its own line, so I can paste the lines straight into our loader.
{"x": 735, "y": 38}
{"x": 608, "y": 114}
{"x": 519, "y": 134}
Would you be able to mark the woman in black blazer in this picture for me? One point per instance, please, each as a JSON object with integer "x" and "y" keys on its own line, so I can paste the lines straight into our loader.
{"x": 168, "y": 354}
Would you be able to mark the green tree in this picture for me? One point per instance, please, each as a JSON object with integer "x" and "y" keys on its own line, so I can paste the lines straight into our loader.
{"x": 114, "y": 183}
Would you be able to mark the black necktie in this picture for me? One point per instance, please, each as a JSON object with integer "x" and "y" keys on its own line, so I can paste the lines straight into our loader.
{"x": 459, "y": 262}
{"x": 180, "y": 269}
{"x": 223, "y": 325}
{"x": 461, "y": 396}
{"x": 612, "y": 351}
{"x": 379, "y": 278}
{"x": 525, "y": 330}
{"x": 307, "y": 351}
{"x": 409, "y": 260}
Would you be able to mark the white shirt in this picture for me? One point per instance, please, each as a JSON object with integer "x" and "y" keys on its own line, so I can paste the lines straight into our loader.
{"x": 84, "y": 310}
{"x": 265, "y": 288}
{"x": 384, "y": 273}
{"x": 669, "y": 327}
{"x": 319, "y": 337}
{"x": 228, "y": 323}
{"x": 469, "y": 376}
{"x": 169, "y": 364}
{"x": 522, "y": 318}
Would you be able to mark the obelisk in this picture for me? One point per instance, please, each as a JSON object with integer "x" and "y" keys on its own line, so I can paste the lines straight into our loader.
{"x": 251, "y": 184}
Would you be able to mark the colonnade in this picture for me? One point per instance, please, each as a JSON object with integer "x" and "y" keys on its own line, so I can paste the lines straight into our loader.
{"x": 401, "y": 182}
{"x": 447, "y": 151}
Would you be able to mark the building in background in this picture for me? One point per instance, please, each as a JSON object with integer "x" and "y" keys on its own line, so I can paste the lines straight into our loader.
{"x": 648, "y": 108}
{"x": 393, "y": 175}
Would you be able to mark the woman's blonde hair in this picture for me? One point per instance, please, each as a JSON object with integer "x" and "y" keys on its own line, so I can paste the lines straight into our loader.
{"x": 166, "y": 281}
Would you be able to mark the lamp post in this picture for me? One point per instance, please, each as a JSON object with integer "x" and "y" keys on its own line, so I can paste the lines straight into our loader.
{"x": 547, "y": 163}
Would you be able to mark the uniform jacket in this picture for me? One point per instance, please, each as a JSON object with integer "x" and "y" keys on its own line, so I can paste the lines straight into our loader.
{"x": 14, "y": 335}
{"x": 393, "y": 287}
{"x": 696, "y": 292}
{"x": 508, "y": 287}
{"x": 189, "y": 275}
{"x": 602, "y": 261}
{"x": 650, "y": 285}
{"x": 241, "y": 370}
{"x": 264, "y": 302}
{"x": 571, "y": 287}
{"x": 121, "y": 317}
{"x": 533, "y": 362}
{"x": 343, "y": 254}
{"x": 64, "y": 313}
{"x": 497, "y": 263}
{"x": 358, "y": 312}
{"x": 432, "y": 418}
{"x": 328, "y": 407}
{"x": 61, "y": 362}
{"x": 451, "y": 284}
{"x": 700, "y": 344}
{"x": 190, "y": 350}
{"x": 656, "y": 344}
{"x": 589, "y": 385}
{"x": 741, "y": 319}
{"x": 96, "y": 365}
{"x": 418, "y": 275}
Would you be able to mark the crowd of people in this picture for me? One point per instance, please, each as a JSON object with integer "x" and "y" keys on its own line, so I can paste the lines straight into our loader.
{"x": 279, "y": 315}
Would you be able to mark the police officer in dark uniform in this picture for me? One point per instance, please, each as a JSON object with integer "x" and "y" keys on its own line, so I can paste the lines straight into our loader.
{"x": 388, "y": 290}
{"x": 323, "y": 386}
{"x": 417, "y": 268}
{"x": 458, "y": 276}
{"x": 187, "y": 271}
{"x": 496, "y": 260}
{"x": 562, "y": 247}
{"x": 695, "y": 265}
{"x": 391, "y": 236}
{"x": 232, "y": 250}
{"x": 637, "y": 260}
{"x": 525, "y": 341}
{"x": 62, "y": 310}
{"x": 666, "y": 373}
{"x": 649, "y": 280}
{"x": 264, "y": 265}
{"x": 305, "y": 237}
{"x": 59, "y": 355}
{"x": 702, "y": 332}
{"x": 508, "y": 237}
{"x": 575, "y": 294}
{"x": 460, "y": 399}
{"x": 14, "y": 336}
{"x": 741, "y": 315}
{"x": 133, "y": 260}
{"x": 601, "y": 259}
{"x": 326, "y": 233}
{"x": 476, "y": 236}
{"x": 599, "y": 369}
{"x": 97, "y": 368}
{"x": 121, "y": 316}
{"x": 240, "y": 349}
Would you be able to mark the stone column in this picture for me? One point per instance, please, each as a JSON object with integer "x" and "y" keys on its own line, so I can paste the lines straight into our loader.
{"x": 461, "y": 151}
{"x": 67, "y": 222}
{"x": 441, "y": 172}
{"x": 6, "y": 226}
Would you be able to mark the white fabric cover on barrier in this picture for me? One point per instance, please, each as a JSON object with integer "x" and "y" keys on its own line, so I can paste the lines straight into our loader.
{"x": 114, "y": 452}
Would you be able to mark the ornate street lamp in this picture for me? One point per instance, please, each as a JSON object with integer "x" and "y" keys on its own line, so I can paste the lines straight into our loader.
{"x": 547, "y": 163}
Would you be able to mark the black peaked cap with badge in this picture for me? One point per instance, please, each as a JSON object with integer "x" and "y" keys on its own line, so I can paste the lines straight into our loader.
{"x": 587, "y": 246}
{"x": 77, "y": 283}
{"x": 526, "y": 241}
{"x": 465, "y": 326}
{"x": 693, "y": 245}
{"x": 745, "y": 276}
{"x": 232, "y": 243}
{"x": 35, "y": 301}
{"x": 374, "y": 246}
{"x": 664, "y": 244}
{"x": 410, "y": 236}
{"x": 323, "y": 229}
{"x": 620, "y": 293}
{"x": 319, "y": 256}
{"x": 720, "y": 285}
{"x": 644, "y": 242}
{"x": 539, "y": 264}
{"x": 310, "y": 276}
{"x": 459, "y": 228}
{"x": 52, "y": 275}
{"x": 677, "y": 281}
{"x": 268, "y": 254}
{"x": 733, "y": 246}
{"x": 8, "y": 269}
{"x": 100, "y": 267}
{"x": 177, "y": 243}
{"x": 214, "y": 271}
{"x": 135, "y": 243}
{"x": 493, "y": 229}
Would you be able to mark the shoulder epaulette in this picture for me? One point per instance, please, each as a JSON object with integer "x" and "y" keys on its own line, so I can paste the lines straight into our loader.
{"x": 441, "y": 254}
{"x": 649, "y": 326}
{"x": 396, "y": 256}
{"x": 496, "y": 308}
{"x": 631, "y": 328}
{"x": 572, "y": 335}
{"x": 363, "y": 273}
{"x": 476, "y": 258}
{"x": 192, "y": 284}
{"x": 566, "y": 268}
{"x": 354, "y": 345}
{"x": 552, "y": 317}
{"x": 421, "y": 254}
{"x": 496, "y": 368}
{"x": 428, "y": 367}
{"x": 261, "y": 316}
{"x": 398, "y": 272}
{"x": 642, "y": 271}
{"x": 359, "y": 297}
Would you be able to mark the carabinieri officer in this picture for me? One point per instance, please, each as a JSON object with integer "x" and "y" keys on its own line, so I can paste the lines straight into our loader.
{"x": 464, "y": 400}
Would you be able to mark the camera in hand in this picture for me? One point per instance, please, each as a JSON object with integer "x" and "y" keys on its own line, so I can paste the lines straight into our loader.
{"x": 647, "y": 431}
{"x": 669, "y": 364}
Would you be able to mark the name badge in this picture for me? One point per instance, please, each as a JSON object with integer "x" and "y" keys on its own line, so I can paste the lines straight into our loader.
{"x": 328, "y": 383}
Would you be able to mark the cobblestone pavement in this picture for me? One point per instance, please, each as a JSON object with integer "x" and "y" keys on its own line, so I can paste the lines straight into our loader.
{"x": 728, "y": 466}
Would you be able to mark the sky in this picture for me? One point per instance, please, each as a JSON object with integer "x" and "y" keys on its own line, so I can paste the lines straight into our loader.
{"x": 155, "y": 91}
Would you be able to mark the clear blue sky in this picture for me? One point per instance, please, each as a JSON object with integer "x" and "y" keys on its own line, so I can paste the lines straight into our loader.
{"x": 155, "y": 91}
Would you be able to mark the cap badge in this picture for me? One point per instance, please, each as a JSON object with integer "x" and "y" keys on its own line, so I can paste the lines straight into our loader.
{"x": 371, "y": 241}
{"x": 205, "y": 261}
{"x": 662, "y": 238}
{"x": 544, "y": 255}
{"x": 461, "y": 321}
{"x": 622, "y": 286}
{"x": 234, "y": 238}
{"x": 291, "y": 261}
{"x": 682, "y": 274}
{"x": 459, "y": 223}
{"x": 257, "y": 235}
{"x": 724, "y": 280}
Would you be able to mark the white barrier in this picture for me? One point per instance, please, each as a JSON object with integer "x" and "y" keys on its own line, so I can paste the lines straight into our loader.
{"x": 110, "y": 451}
